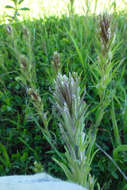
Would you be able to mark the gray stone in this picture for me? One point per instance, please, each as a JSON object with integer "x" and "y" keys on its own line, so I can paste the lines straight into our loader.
{"x": 40, "y": 181}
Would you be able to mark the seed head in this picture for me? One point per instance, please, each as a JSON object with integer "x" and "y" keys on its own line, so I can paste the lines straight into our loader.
{"x": 66, "y": 90}
{"x": 56, "y": 61}
{"x": 34, "y": 95}
{"x": 9, "y": 29}
{"x": 23, "y": 61}
{"x": 25, "y": 31}
{"x": 105, "y": 31}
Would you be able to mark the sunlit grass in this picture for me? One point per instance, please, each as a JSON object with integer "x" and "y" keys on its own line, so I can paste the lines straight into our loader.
{"x": 40, "y": 8}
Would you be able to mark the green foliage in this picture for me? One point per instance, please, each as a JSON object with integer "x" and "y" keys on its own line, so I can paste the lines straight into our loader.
{"x": 31, "y": 55}
{"x": 4, "y": 159}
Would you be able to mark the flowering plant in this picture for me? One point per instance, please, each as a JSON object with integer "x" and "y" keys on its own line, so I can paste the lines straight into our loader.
{"x": 79, "y": 146}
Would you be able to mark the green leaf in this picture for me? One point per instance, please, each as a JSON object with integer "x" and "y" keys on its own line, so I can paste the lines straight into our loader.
{"x": 77, "y": 49}
{"x": 20, "y": 1}
{"x": 115, "y": 126}
{"x": 120, "y": 148}
{"x": 9, "y": 7}
{"x": 125, "y": 187}
{"x": 14, "y": 1}
{"x": 114, "y": 174}
{"x": 64, "y": 167}
{"x": 28, "y": 146}
{"x": 5, "y": 158}
{"x": 24, "y": 9}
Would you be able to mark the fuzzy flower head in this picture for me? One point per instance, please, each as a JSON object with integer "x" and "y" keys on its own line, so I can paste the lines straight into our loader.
{"x": 67, "y": 90}
{"x": 72, "y": 108}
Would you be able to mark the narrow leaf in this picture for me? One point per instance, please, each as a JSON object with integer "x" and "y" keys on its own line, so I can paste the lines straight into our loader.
{"x": 64, "y": 167}
{"x": 24, "y": 9}
{"x": 120, "y": 148}
{"x": 9, "y": 7}
{"x": 115, "y": 127}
